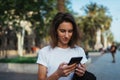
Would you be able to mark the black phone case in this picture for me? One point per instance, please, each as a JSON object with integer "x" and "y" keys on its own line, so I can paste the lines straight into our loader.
{"x": 75, "y": 60}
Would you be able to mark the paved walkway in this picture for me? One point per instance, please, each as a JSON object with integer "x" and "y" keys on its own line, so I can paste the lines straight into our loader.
{"x": 104, "y": 69}
{"x": 17, "y": 76}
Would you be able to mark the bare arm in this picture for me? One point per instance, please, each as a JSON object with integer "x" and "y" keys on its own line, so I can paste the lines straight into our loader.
{"x": 63, "y": 70}
{"x": 42, "y": 72}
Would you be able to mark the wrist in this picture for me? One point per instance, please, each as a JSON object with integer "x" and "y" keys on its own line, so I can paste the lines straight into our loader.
{"x": 57, "y": 75}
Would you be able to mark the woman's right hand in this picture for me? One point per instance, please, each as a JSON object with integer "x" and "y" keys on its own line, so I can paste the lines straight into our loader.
{"x": 65, "y": 70}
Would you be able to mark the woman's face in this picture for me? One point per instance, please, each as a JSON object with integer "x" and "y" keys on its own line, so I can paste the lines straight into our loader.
{"x": 64, "y": 31}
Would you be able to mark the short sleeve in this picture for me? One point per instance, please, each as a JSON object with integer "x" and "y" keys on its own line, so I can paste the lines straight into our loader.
{"x": 84, "y": 60}
{"x": 82, "y": 54}
{"x": 42, "y": 58}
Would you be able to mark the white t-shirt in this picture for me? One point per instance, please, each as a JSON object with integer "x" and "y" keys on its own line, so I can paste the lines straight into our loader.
{"x": 53, "y": 57}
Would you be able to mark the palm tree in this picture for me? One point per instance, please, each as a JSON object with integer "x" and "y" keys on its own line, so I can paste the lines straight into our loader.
{"x": 95, "y": 19}
{"x": 105, "y": 22}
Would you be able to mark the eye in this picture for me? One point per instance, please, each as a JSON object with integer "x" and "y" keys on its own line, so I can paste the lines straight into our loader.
{"x": 70, "y": 31}
{"x": 62, "y": 30}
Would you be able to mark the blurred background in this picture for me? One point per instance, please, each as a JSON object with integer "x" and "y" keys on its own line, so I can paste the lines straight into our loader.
{"x": 24, "y": 25}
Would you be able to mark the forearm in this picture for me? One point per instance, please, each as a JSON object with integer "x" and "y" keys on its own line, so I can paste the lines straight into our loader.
{"x": 54, "y": 76}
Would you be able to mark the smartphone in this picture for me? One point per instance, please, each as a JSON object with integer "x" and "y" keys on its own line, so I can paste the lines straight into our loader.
{"x": 75, "y": 60}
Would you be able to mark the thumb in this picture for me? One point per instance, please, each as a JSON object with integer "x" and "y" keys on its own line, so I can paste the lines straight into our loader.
{"x": 63, "y": 64}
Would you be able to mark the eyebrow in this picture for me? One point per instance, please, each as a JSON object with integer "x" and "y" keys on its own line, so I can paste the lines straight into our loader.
{"x": 65, "y": 29}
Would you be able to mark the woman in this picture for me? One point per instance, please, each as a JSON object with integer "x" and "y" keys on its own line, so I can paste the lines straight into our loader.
{"x": 53, "y": 59}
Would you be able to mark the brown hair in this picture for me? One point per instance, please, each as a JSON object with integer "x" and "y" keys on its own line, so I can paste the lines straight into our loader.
{"x": 58, "y": 19}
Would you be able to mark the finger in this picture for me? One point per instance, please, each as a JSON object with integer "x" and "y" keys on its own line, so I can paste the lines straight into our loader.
{"x": 63, "y": 64}
{"x": 72, "y": 65}
{"x": 69, "y": 68}
{"x": 80, "y": 71}
{"x": 82, "y": 67}
{"x": 79, "y": 74}
{"x": 67, "y": 73}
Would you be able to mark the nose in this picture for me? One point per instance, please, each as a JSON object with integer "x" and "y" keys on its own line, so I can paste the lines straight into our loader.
{"x": 66, "y": 34}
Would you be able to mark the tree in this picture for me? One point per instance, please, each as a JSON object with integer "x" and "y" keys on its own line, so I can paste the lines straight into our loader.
{"x": 35, "y": 12}
{"x": 95, "y": 19}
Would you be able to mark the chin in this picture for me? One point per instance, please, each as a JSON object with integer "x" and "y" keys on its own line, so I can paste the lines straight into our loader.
{"x": 65, "y": 43}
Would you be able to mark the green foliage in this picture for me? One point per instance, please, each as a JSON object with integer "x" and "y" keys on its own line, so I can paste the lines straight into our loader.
{"x": 19, "y": 60}
{"x": 37, "y": 12}
{"x": 95, "y": 18}
{"x": 40, "y": 13}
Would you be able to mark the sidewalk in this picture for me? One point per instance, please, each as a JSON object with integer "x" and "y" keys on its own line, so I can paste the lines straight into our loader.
{"x": 6, "y": 74}
{"x": 104, "y": 69}
{"x": 17, "y": 76}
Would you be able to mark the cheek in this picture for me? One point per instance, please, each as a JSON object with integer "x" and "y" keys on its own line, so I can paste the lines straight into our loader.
{"x": 71, "y": 35}
{"x": 60, "y": 35}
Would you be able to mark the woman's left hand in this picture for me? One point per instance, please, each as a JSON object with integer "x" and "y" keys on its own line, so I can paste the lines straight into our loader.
{"x": 80, "y": 69}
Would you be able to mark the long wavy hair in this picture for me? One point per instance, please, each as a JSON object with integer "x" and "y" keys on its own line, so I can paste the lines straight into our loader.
{"x": 57, "y": 20}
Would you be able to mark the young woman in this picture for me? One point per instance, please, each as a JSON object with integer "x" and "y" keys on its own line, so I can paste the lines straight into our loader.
{"x": 53, "y": 59}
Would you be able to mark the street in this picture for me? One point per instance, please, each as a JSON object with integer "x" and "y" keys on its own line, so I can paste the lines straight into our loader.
{"x": 104, "y": 69}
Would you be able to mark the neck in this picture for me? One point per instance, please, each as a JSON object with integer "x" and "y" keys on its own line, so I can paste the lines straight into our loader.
{"x": 63, "y": 46}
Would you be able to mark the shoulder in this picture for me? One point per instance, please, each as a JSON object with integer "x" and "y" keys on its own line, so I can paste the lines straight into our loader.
{"x": 78, "y": 48}
{"x": 43, "y": 52}
{"x": 45, "y": 49}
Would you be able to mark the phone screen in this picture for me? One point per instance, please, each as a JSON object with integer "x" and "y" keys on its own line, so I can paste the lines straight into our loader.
{"x": 75, "y": 60}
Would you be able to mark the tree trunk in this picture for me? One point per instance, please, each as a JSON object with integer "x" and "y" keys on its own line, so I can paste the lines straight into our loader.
{"x": 20, "y": 42}
{"x": 61, "y": 5}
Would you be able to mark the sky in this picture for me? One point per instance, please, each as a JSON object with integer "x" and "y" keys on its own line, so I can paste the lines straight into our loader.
{"x": 113, "y": 10}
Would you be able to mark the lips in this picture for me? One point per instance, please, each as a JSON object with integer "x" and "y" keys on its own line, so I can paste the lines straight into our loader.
{"x": 66, "y": 40}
